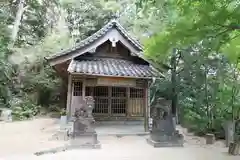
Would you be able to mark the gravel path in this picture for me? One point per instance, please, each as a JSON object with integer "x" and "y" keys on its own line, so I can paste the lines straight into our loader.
{"x": 19, "y": 140}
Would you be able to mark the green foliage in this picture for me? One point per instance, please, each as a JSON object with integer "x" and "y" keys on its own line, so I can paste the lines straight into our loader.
{"x": 63, "y": 112}
{"x": 42, "y": 80}
{"x": 204, "y": 100}
{"x": 208, "y": 80}
{"x": 46, "y": 27}
{"x": 24, "y": 108}
{"x": 85, "y": 17}
{"x": 196, "y": 21}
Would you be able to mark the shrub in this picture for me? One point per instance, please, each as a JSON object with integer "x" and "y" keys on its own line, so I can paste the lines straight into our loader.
{"x": 24, "y": 109}
{"x": 63, "y": 112}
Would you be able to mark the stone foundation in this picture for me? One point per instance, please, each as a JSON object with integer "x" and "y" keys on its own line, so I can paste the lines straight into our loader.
{"x": 165, "y": 144}
{"x": 86, "y": 140}
{"x": 79, "y": 145}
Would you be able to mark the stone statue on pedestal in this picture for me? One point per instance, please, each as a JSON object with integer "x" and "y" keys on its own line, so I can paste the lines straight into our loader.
{"x": 164, "y": 133}
{"x": 84, "y": 134}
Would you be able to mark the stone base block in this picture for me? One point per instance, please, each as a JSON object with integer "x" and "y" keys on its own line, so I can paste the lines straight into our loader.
{"x": 165, "y": 144}
{"x": 84, "y": 146}
{"x": 86, "y": 140}
{"x": 210, "y": 138}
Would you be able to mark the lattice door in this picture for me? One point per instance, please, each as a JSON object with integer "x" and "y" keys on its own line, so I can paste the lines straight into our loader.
{"x": 136, "y": 102}
{"x": 119, "y": 101}
{"x": 100, "y": 95}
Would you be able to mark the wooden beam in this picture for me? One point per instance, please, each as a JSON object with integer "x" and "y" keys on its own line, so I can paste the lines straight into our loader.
{"x": 101, "y": 75}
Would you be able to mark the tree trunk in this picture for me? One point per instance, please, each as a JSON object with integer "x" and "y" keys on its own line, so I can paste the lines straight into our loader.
{"x": 235, "y": 145}
{"x": 206, "y": 97}
{"x": 174, "y": 83}
{"x": 229, "y": 132}
{"x": 174, "y": 86}
{"x": 17, "y": 21}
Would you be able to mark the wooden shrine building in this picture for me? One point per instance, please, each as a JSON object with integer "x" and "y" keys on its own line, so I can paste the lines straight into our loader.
{"x": 109, "y": 66}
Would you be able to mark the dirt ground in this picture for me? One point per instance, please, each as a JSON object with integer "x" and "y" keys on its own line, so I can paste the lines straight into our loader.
{"x": 27, "y": 136}
{"x": 19, "y": 140}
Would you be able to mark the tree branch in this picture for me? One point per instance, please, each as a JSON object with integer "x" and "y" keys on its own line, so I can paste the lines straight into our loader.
{"x": 231, "y": 26}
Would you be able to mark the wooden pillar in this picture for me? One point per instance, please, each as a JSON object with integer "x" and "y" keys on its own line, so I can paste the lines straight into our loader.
{"x": 69, "y": 96}
{"x": 128, "y": 103}
{"x": 146, "y": 110}
{"x": 109, "y": 101}
{"x": 147, "y": 104}
{"x": 83, "y": 88}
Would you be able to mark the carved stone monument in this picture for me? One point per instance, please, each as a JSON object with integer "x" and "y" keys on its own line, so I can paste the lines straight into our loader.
{"x": 164, "y": 133}
{"x": 84, "y": 134}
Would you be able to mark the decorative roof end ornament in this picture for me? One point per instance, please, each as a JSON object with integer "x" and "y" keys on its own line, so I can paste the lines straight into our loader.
{"x": 114, "y": 40}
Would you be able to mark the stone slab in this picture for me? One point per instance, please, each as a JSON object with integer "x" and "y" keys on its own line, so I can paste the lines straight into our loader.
{"x": 84, "y": 146}
{"x": 68, "y": 147}
{"x": 164, "y": 144}
{"x": 84, "y": 139}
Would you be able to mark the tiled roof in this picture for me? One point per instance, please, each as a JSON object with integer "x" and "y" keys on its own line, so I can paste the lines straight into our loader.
{"x": 112, "y": 67}
{"x": 113, "y": 23}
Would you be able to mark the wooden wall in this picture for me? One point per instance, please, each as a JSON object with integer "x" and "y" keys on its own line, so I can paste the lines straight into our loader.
{"x": 136, "y": 98}
{"x": 106, "y": 50}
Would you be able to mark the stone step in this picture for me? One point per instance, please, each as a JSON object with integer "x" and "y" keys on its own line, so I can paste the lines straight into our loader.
{"x": 119, "y": 123}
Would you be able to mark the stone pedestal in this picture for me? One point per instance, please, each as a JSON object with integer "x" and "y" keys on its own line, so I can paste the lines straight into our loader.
{"x": 210, "y": 138}
{"x": 176, "y": 140}
{"x": 83, "y": 134}
{"x": 63, "y": 122}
